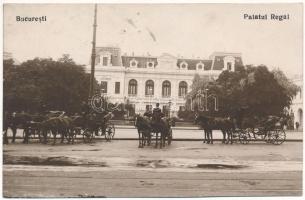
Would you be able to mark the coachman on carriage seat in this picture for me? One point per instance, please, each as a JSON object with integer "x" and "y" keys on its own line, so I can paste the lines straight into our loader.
{"x": 156, "y": 117}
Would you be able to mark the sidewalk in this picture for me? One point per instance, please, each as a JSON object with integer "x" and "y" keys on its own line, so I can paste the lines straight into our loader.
{"x": 193, "y": 134}
{"x": 179, "y": 133}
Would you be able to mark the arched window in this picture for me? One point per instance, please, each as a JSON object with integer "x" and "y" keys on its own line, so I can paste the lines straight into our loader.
{"x": 132, "y": 87}
{"x": 149, "y": 87}
{"x": 166, "y": 89}
{"x": 182, "y": 88}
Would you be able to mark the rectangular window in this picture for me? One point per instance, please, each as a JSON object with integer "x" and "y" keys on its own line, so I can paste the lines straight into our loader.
{"x": 165, "y": 110}
{"x": 103, "y": 87}
{"x": 229, "y": 66}
{"x": 182, "y": 108}
{"x": 117, "y": 88}
{"x": 105, "y": 61}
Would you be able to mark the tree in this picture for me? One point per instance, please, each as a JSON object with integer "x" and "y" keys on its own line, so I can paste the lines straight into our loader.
{"x": 251, "y": 91}
{"x": 66, "y": 59}
{"x": 45, "y": 84}
{"x": 290, "y": 88}
{"x": 199, "y": 82}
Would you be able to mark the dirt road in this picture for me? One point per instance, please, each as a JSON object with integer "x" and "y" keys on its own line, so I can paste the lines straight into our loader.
{"x": 120, "y": 169}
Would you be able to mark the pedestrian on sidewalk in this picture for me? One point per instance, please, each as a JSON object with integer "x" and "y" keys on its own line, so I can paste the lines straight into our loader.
{"x": 297, "y": 125}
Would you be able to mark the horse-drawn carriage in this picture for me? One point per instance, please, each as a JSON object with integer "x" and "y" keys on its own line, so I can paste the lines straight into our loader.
{"x": 149, "y": 130}
{"x": 101, "y": 127}
{"x": 87, "y": 126}
{"x": 44, "y": 127}
{"x": 270, "y": 130}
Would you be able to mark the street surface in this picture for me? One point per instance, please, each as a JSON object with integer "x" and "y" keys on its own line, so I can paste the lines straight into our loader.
{"x": 120, "y": 169}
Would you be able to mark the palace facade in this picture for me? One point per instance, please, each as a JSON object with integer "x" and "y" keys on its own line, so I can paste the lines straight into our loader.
{"x": 143, "y": 81}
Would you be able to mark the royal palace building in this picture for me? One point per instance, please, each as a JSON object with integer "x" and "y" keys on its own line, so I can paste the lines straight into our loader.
{"x": 143, "y": 81}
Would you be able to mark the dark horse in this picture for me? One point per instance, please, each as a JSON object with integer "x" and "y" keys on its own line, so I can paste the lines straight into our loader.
{"x": 25, "y": 121}
{"x": 146, "y": 126}
{"x": 143, "y": 125}
{"x": 5, "y": 127}
{"x": 61, "y": 125}
{"x": 209, "y": 124}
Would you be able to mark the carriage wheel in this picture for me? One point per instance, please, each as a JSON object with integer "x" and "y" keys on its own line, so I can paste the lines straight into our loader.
{"x": 244, "y": 138}
{"x": 110, "y": 131}
{"x": 235, "y": 135}
{"x": 278, "y": 137}
{"x": 170, "y": 136}
{"x": 87, "y": 136}
{"x": 257, "y": 134}
{"x": 261, "y": 135}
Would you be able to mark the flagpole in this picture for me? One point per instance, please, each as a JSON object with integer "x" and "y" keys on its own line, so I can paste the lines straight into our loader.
{"x": 93, "y": 54}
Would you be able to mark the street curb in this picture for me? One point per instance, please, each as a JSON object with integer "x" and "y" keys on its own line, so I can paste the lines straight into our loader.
{"x": 177, "y": 139}
{"x": 188, "y": 139}
{"x": 187, "y": 128}
{"x": 174, "y": 128}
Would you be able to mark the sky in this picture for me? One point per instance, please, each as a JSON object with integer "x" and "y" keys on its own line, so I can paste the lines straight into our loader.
{"x": 188, "y": 30}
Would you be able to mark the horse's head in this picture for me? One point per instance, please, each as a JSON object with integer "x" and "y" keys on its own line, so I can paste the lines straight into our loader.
{"x": 199, "y": 119}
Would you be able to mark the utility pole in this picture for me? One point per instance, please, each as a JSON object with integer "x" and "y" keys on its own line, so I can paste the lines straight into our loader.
{"x": 206, "y": 99}
{"x": 91, "y": 91}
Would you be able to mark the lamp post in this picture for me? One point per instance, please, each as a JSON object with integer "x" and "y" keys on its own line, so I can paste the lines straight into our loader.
{"x": 206, "y": 99}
